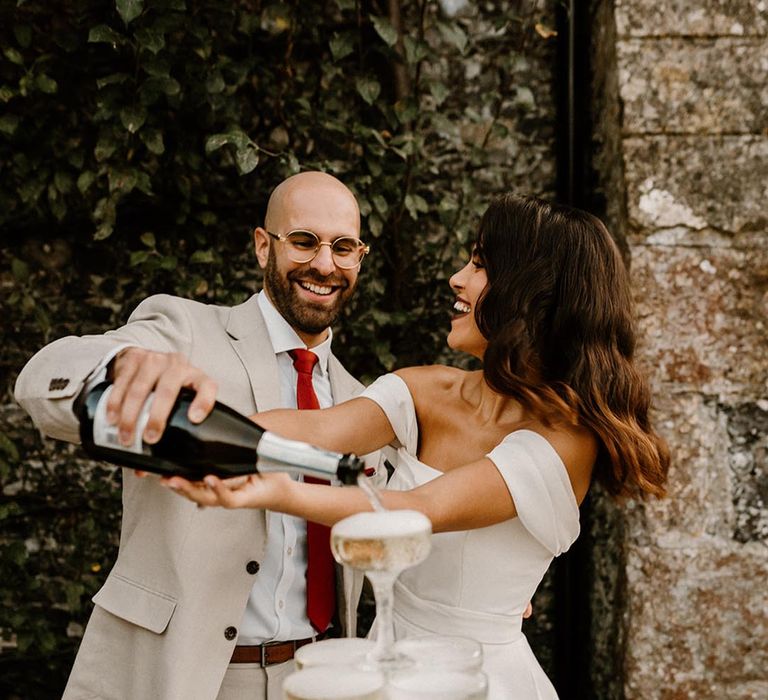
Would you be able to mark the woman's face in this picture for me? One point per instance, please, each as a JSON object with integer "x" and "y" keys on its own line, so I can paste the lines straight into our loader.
{"x": 468, "y": 284}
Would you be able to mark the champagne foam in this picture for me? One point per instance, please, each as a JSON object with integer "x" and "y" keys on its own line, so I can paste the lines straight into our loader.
{"x": 334, "y": 683}
{"x": 344, "y": 651}
{"x": 383, "y": 524}
{"x": 387, "y": 541}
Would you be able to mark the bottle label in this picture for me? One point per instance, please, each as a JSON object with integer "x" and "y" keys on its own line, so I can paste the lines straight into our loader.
{"x": 106, "y": 435}
{"x": 278, "y": 454}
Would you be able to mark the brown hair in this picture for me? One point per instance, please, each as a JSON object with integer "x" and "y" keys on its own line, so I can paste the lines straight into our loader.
{"x": 557, "y": 313}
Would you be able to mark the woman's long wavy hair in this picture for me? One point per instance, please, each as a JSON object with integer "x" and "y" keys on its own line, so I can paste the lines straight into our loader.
{"x": 557, "y": 314}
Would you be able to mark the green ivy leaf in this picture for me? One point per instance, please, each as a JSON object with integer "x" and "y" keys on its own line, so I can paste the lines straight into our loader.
{"x": 138, "y": 257}
{"x": 133, "y": 118}
{"x": 215, "y": 83}
{"x": 247, "y": 159}
{"x": 157, "y": 66}
{"x": 375, "y": 225}
{"x": 155, "y": 87}
{"x": 153, "y": 140}
{"x": 415, "y": 50}
{"x": 341, "y": 45}
{"x": 238, "y": 138}
{"x": 23, "y": 34}
{"x": 9, "y": 123}
{"x": 103, "y": 231}
{"x": 129, "y": 10}
{"x": 13, "y": 56}
{"x": 150, "y": 39}
{"x": 20, "y": 271}
{"x": 524, "y": 97}
{"x": 368, "y": 89}
{"x": 85, "y": 180}
{"x": 202, "y": 256}
{"x": 416, "y": 205}
{"x": 381, "y": 204}
{"x": 122, "y": 181}
{"x": 63, "y": 182}
{"x": 113, "y": 79}
{"x": 148, "y": 239}
{"x": 46, "y": 84}
{"x": 439, "y": 91}
{"x": 453, "y": 34}
{"x": 169, "y": 262}
{"x": 385, "y": 30}
{"x": 103, "y": 34}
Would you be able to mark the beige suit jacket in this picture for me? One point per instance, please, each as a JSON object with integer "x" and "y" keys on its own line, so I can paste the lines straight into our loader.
{"x": 164, "y": 622}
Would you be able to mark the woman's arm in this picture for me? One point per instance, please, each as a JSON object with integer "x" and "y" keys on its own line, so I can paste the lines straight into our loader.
{"x": 357, "y": 426}
{"x": 471, "y": 496}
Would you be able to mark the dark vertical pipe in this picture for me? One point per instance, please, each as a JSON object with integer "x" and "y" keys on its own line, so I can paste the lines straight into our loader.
{"x": 571, "y": 576}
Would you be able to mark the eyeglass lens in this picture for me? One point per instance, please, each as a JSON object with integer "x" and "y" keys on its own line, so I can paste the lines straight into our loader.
{"x": 304, "y": 245}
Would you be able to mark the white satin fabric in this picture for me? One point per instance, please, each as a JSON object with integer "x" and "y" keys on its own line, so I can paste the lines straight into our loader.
{"x": 477, "y": 583}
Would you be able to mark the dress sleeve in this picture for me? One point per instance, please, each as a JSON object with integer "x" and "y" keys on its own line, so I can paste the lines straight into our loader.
{"x": 538, "y": 482}
{"x": 392, "y": 395}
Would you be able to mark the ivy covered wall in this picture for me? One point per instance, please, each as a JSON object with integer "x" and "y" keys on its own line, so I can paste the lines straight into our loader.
{"x": 138, "y": 144}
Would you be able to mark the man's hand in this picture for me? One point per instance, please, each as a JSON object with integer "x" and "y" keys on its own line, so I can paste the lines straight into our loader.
{"x": 136, "y": 373}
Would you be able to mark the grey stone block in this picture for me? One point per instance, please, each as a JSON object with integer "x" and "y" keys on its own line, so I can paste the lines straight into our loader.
{"x": 718, "y": 182}
{"x": 697, "y": 621}
{"x": 702, "y": 314}
{"x": 684, "y": 86}
{"x": 685, "y": 18}
{"x": 699, "y": 498}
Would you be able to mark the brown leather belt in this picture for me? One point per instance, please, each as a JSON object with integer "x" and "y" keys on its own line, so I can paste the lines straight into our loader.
{"x": 269, "y": 653}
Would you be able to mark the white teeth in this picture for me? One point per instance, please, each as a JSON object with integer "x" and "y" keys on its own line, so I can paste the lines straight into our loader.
{"x": 461, "y": 307}
{"x": 316, "y": 288}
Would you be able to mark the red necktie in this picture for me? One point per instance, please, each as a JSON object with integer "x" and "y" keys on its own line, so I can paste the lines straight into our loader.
{"x": 321, "y": 573}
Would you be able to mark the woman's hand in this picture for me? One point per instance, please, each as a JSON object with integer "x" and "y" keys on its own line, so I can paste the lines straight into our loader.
{"x": 253, "y": 491}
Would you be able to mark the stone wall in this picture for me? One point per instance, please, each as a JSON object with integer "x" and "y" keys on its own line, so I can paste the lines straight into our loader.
{"x": 681, "y": 132}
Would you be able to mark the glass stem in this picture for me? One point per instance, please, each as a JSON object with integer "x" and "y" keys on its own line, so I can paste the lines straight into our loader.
{"x": 383, "y": 588}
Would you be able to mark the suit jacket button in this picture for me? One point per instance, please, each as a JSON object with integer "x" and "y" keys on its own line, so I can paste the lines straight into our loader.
{"x": 252, "y": 567}
{"x": 230, "y": 633}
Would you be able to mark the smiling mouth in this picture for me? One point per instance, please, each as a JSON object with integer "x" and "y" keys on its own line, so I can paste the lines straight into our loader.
{"x": 461, "y": 308}
{"x": 322, "y": 290}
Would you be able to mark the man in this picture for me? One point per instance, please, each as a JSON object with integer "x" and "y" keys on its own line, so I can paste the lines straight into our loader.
{"x": 202, "y": 604}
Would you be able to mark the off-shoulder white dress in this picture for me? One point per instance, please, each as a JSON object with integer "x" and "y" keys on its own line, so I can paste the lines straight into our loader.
{"x": 477, "y": 583}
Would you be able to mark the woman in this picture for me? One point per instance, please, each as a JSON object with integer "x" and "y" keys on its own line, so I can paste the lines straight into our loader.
{"x": 498, "y": 459}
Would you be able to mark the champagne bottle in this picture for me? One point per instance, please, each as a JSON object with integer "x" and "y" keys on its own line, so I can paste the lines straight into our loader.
{"x": 226, "y": 444}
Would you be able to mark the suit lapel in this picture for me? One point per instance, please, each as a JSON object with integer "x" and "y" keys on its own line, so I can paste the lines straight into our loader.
{"x": 250, "y": 340}
{"x": 343, "y": 385}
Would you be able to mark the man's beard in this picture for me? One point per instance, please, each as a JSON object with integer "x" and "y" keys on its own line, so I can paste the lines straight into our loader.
{"x": 301, "y": 314}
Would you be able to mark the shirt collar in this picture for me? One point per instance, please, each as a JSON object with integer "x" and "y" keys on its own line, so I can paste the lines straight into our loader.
{"x": 284, "y": 338}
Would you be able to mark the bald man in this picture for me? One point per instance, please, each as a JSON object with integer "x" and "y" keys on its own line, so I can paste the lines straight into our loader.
{"x": 205, "y": 604}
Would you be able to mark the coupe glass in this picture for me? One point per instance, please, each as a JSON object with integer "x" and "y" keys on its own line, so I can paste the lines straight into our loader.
{"x": 382, "y": 544}
{"x": 437, "y": 652}
{"x": 436, "y": 684}
{"x": 334, "y": 683}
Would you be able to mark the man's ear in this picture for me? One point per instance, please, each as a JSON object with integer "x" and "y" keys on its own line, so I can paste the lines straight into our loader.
{"x": 261, "y": 243}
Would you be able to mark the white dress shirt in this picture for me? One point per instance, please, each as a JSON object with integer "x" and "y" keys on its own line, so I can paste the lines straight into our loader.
{"x": 277, "y": 606}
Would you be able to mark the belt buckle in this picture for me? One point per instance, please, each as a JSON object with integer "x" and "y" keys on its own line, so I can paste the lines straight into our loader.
{"x": 263, "y": 647}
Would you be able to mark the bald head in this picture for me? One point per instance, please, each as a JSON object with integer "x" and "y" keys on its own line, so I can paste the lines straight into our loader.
{"x": 308, "y": 196}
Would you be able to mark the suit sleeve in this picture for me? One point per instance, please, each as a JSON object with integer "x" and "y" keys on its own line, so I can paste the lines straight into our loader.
{"x": 49, "y": 383}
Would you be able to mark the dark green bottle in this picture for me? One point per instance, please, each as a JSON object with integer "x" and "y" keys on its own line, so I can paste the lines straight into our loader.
{"x": 226, "y": 444}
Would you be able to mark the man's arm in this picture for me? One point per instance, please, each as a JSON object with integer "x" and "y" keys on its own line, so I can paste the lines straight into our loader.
{"x": 155, "y": 341}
